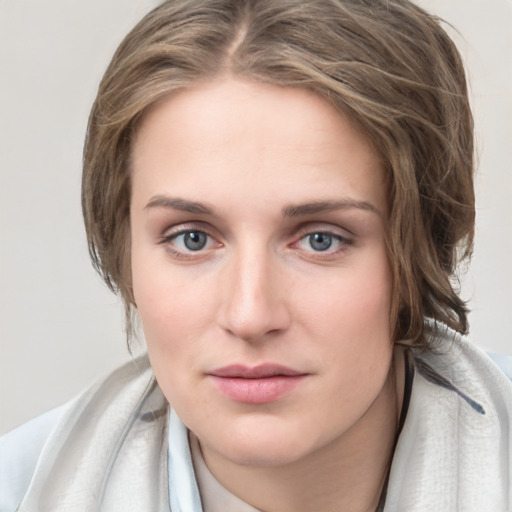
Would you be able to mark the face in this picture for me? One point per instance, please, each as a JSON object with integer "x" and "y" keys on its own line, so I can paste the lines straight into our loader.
{"x": 259, "y": 268}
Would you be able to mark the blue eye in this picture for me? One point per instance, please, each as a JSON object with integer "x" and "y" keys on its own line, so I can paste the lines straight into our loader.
{"x": 320, "y": 241}
{"x": 189, "y": 241}
{"x": 194, "y": 240}
{"x": 323, "y": 242}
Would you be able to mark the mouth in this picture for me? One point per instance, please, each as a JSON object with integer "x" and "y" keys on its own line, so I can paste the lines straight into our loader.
{"x": 257, "y": 385}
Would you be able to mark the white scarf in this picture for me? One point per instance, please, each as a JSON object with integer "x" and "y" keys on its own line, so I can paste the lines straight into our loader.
{"x": 110, "y": 452}
{"x": 451, "y": 457}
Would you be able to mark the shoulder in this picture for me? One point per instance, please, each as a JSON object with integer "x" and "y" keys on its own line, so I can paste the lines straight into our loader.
{"x": 457, "y": 349}
{"x": 503, "y": 361}
{"x": 27, "y": 453}
{"x": 457, "y": 430}
{"x": 19, "y": 452}
{"x": 467, "y": 369}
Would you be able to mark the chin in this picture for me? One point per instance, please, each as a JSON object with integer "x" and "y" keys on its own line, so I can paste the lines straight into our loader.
{"x": 264, "y": 454}
{"x": 261, "y": 446}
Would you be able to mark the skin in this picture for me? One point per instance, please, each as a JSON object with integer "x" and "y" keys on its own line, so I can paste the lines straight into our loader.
{"x": 259, "y": 291}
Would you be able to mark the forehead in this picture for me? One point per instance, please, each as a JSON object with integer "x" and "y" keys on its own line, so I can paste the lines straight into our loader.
{"x": 239, "y": 136}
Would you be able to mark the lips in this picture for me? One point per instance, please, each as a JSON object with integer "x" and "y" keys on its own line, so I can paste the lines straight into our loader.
{"x": 257, "y": 372}
{"x": 257, "y": 385}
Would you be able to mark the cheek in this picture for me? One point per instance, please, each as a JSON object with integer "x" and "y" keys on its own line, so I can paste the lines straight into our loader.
{"x": 165, "y": 303}
{"x": 171, "y": 311}
{"x": 349, "y": 317}
{"x": 172, "y": 326}
{"x": 351, "y": 301}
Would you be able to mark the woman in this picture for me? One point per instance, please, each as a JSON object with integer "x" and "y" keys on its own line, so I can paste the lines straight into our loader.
{"x": 281, "y": 191}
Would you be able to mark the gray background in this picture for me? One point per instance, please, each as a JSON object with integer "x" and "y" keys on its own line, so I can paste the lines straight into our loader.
{"x": 59, "y": 327}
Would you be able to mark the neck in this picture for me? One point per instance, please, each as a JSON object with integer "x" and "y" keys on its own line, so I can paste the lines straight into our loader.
{"x": 347, "y": 474}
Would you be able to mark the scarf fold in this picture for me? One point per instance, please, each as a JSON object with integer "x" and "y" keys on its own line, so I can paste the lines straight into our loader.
{"x": 455, "y": 449}
{"x": 109, "y": 451}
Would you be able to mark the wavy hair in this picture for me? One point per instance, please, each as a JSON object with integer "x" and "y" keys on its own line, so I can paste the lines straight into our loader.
{"x": 386, "y": 64}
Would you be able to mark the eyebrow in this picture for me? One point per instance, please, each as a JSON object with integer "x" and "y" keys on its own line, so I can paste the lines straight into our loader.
{"x": 177, "y": 203}
{"x": 327, "y": 206}
{"x": 298, "y": 210}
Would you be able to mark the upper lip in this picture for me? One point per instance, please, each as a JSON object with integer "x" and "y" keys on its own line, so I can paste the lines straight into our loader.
{"x": 261, "y": 371}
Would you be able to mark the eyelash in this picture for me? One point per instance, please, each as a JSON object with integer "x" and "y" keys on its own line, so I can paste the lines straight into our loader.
{"x": 342, "y": 243}
{"x": 168, "y": 240}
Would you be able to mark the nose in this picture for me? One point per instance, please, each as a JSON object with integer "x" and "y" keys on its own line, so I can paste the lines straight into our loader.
{"x": 254, "y": 303}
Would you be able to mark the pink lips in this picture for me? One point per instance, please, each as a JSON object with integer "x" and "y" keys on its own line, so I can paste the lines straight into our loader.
{"x": 258, "y": 385}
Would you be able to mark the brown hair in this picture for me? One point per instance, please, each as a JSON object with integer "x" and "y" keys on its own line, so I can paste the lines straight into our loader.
{"x": 386, "y": 64}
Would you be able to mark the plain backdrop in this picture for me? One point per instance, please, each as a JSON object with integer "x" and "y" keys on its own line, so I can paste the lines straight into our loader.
{"x": 60, "y": 328}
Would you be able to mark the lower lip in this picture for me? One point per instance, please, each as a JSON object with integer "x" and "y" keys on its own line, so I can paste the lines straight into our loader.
{"x": 257, "y": 391}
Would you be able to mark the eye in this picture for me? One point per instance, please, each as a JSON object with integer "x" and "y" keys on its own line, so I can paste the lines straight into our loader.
{"x": 191, "y": 240}
{"x": 323, "y": 242}
{"x": 188, "y": 242}
{"x": 320, "y": 241}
